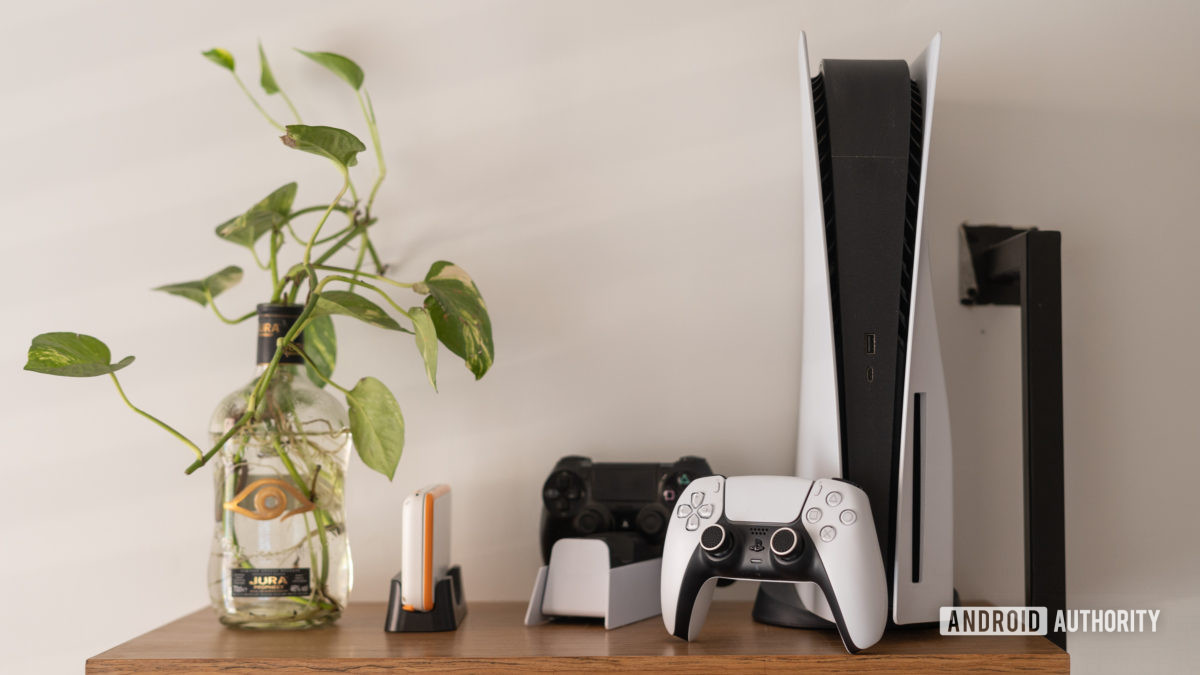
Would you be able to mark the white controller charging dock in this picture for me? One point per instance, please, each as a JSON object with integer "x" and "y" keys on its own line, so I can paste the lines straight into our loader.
{"x": 584, "y": 580}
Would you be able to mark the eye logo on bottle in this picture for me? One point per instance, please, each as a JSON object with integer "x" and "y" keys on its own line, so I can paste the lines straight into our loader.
{"x": 270, "y": 500}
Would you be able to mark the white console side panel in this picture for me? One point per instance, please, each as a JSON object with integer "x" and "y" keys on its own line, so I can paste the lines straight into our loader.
{"x": 819, "y": 442}
{"x": 818, "y": 447}
{"x": 918, "y": 601}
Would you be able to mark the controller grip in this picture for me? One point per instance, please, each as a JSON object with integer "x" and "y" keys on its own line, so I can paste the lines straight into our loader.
{"x": 859, "y": 616}
{"x": 855, "y": 586}
{"x": 685, "y": 606}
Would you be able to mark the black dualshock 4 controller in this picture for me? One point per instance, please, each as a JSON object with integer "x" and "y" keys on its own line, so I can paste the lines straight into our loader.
{"x": 582, "y": 498}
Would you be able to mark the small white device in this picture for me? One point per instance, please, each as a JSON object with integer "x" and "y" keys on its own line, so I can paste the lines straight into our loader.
{"x": 425, "y": 546}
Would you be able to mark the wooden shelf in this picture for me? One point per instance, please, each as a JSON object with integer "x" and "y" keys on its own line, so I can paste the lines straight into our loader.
{"x": 494, "y": 637}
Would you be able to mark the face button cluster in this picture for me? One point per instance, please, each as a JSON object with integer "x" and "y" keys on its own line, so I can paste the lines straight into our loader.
{"x": 829, "y": 531}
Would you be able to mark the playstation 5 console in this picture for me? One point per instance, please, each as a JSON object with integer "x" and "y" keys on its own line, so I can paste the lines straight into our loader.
{"x": 873, "y": 406}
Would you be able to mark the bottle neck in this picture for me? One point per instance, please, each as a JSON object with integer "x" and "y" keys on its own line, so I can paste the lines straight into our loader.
{"x": 274, "y": 322}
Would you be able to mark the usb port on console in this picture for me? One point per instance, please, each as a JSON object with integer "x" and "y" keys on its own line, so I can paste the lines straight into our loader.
{"x": 870, "y": 343}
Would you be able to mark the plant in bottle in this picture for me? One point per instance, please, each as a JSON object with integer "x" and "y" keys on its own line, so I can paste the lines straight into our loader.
{"x": 281, "y": 443}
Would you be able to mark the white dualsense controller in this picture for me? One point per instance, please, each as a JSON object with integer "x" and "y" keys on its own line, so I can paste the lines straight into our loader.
{"x": 425, "y": 546}
{"x": 775, "y": 528}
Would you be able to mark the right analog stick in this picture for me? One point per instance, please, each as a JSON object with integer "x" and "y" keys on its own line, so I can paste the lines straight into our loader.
{"x": 652, "y": 519}
{"x": 715, "y": 540}
{"x": 785, "y": 544}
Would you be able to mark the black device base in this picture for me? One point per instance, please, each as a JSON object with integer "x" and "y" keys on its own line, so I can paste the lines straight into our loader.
{"x": 776, "y": 605}
{"x": 449, "y": 607}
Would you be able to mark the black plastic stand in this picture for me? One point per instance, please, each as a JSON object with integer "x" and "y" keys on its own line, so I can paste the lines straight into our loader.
{"x": 449, "y": 607}
{"x": 1010, "y": 266}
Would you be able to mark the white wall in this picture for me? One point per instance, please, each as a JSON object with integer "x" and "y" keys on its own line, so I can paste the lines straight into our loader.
{"x": 622, "y": 179}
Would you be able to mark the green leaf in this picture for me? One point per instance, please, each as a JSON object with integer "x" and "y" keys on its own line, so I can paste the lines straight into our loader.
{"x": 72, "y": 355}
{"x": 337, "y": 144}
{"x": 427, "y": 342}
{"x": 214, "y": 283}
{"x": 340, "y": 65}
{"x": 320, "y": 344}
{"x": 376, "y": 425}
{"x": 460, "y": 315}
{"x": 221, "y": 57}
{"x": 268, "y": 78}
{"x": 266, "y": 215}
{"x": 355, "y": 305}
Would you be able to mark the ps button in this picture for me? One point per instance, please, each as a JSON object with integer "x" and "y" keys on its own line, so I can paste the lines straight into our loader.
{"x": 813, "y": 515}
{"x": 705, "y": 510}
{"x": 828, "y": 533}
{"x": 833, "y": 498}
{"x": 693, "y": 523}
{"x": 697, "y": 498}
{"x": 848, "y": 517}
{"x": 683, "y": 511}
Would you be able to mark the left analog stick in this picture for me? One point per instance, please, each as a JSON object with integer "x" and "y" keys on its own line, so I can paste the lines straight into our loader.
{"x": 590, "y": 521}
{"x": 715, "y": 540}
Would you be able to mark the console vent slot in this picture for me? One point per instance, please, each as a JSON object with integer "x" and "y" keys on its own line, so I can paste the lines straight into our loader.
{"x": 913, "y": 194}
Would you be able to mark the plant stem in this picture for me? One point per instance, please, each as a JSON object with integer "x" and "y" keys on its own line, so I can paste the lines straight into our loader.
{"x": 212, "y": 303}
{"x": 331, "y": 268}
{"x": 257, "y": 261}
{"x": 379, "y": 267}
{"x": 369, "y": 113}
{"x": 319, "y": 207}
{"x": 297, "y": 350}
{"x": 253, "y": 100}
{"x": 362, "y": 252}
{"x": 291, "y": 106}
{"x": 340, "y": 243}
{"x": 263, "y": 379}
{"x": 358, "y": 282}
{"x": 338, "y": 198}
{"x": 311, "y": 495}
{"x": 276, "y": 244}
{"x": 152, "y": 418}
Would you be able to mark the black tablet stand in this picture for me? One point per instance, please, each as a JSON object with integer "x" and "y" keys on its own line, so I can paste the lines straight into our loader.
{"x": 449, "y": 607}
{"x": 1001, "y": 265}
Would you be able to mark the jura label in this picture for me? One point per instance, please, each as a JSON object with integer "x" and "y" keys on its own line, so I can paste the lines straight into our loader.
{"x": 265, "y": 583}
{"x": 274, "y": 322}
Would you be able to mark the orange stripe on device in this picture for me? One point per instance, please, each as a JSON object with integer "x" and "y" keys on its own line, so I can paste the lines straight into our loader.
{"x": 428, "y": 581}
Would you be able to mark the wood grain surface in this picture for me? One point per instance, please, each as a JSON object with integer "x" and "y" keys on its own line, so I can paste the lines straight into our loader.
{"x": 493, "y": 637}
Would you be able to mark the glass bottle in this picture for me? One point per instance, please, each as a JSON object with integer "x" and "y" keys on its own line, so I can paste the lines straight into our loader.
{"x": 280, "y": 557}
